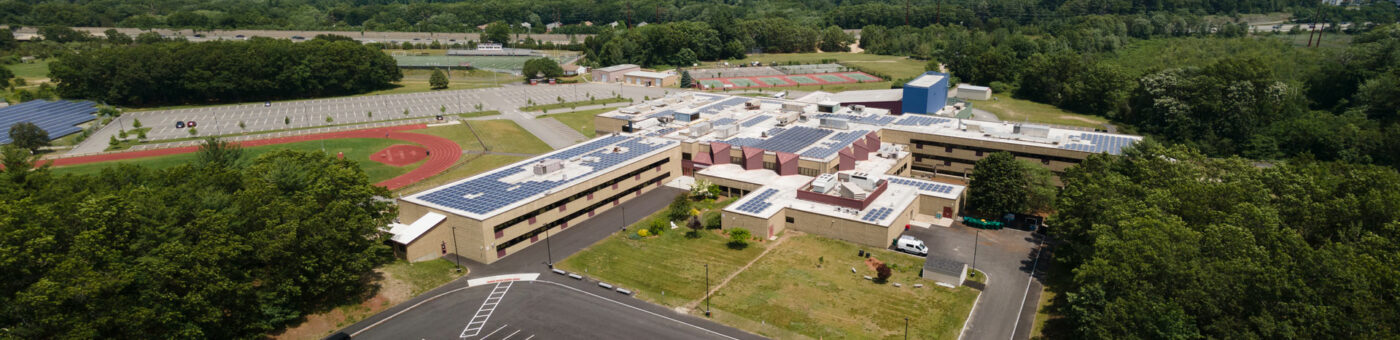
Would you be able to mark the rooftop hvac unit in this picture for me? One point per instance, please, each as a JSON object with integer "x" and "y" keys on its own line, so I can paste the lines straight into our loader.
{"x": 827, "y": 106}
{"x": 835, "y": 123}
{"x": 864, "y": 180}
{"x": 548, "y": 166}
{"x": 1031, "y": 130}
{"x": 726, "y": 130}
{"x": 699, "y": 129}
{"x": 857, "y": 108}
{"x": 788, "y": 118}
{"x": 628, "y": 110}
{"x": 752, "y": 104}
{"x": 793, "y": 107}
{"x": 823, "y": 183}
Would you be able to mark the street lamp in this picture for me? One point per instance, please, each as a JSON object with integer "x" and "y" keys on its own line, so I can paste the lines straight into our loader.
{"x": 456, "y": 255}
{"x": 975, "y": 240}
{"x": 549, "y": 251}
{"x": 707, "y": 289}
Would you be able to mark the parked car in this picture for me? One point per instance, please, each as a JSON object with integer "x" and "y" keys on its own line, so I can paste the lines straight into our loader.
{"x": 297, "y": 37}
{"x": 909, "y": 244}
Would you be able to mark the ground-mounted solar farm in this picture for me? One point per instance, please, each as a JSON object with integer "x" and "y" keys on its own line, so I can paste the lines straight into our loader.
{"x": 57, "y": 118}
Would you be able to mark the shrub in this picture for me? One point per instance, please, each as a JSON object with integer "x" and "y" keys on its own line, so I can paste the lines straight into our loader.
{"x": 883, "y": 272}
{"x": 679, "y": 209}
{"x": 136, "y": 123}
{"x": 658, "y": 226}
{"x": 739, "y": 238}
{"x": 194, "y": 131}
{"x": 712, "y": 220}
{"x": 695, "y": 227}
{"x": 643, "y": 233}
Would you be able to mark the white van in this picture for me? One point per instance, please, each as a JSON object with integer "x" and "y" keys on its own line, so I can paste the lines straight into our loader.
{"x": 911, "y": 245}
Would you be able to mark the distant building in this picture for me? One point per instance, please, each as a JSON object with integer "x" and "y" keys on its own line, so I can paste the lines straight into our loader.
{"x": 551, "y": 26}
{"x": 649, "y": 79}
{"x": 926, "y": 94}
{"x": 890, "y": 99}
{"x": 972, "y": 92}
{"x": 588, "y": 23}
{"x": 613, "y": 74}
{"x": 573, "y": 70}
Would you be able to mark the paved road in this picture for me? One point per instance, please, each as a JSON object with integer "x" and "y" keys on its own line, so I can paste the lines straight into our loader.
{"x": 549, "y": 312}
{"x": 553, "y": 308}
{"x": 216, "y": 120}
{"x": 1006, "y": 256}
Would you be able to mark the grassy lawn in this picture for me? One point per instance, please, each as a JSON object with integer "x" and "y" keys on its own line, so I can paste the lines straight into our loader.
{"x": 356, "y": 149}
{"x": 805, "y": 286}
{"x": 1020, "y": 110}
{"x": 564, "y": 105}
{"x": 39, "y": 69}
{"x": 416, "y": 80}
{"x": 479, "y": 114}
{"x": 423, "y": 276}
{"x": 668, "y": 269}
{"x": 581, "y": 120}
{"x": 502, "y": 135}
{"x": 1043, "y": 314}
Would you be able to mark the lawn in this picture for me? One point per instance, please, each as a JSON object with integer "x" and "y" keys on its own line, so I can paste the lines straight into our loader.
{"x": 1020, "y": 110}
{"x": 1043, "y": 314}
{"x": 38, "y": 69}
{"x": 668, "y": 269}
{"x": 416, "y": 80}
{"x": 1329, "y": 40}
{"x": 581, "y": 120}
{"x": 356, "y": 149}
{"x": 501, "y": 135}
{"x": 423, "y": 276}
{"x": 805, "y": 286}
{"x": 565, "y": 105}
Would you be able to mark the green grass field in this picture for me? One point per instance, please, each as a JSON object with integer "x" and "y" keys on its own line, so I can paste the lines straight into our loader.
{"x": 773, "y": 81}
{"x": 1019, "y": 110}
{"x": 805, "y": 286}
{"x": 31, "y": 71}
{"x": 894, "y": 66}
{"x": 502, "y": 135}
{"x": 802, "y": 79}
{"x": 423, "y": 276}
{"x": 581, "y": 120}
{"x": 356, "y": 149}
{"x": 565, "y": 105}
{"x": 416, "y": 80}
{"x": 668, "y": 269}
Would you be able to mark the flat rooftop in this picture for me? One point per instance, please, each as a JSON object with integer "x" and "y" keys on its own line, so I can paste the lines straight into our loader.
{"x": 762, "y": 126}
{"x": 781, "y": 192}
{"x": 925, "y": 80}
{"x": 485, "y": 195}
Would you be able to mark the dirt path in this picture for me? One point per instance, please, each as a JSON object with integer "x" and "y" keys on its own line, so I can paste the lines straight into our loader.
{"x": 691, "y": 305}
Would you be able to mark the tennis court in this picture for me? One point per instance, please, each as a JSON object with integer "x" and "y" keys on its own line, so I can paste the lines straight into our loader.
{"x": 742, "y": 82}
{"x": 711, "y": 83}
{"x": 831, "y": 78}
{"x": 804, "y": 80}
{"x": 773, "y": 81}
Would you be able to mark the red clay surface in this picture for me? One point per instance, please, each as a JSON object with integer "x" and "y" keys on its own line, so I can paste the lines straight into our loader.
{"x": 400, "y": 155}
{"x": 846, "y": 79}
{"x": 441, "y": 152}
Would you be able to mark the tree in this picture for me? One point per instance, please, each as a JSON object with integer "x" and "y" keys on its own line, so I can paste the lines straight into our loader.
{"x": 685, "y": 57}
{"x": 712, "y": 220}
{"x": 679, "y": 208}
{"x": 686, "y": 80}
{"x": 437, "y": 80}
{"x": 28, "y": 136}
{"x": 739, "y": 238}
{"x": 136, "y": 123}
{"x": 497, "y": 32}
{"x": 541, "y": 68}
{"x": 883, "y": 273}
{"x": 17, "y": 161}
{"x": 117, "y": 37}
{"x": 218, "y": 153}
{"x": 998, "y": 186}
{"x": 61, "y": 34}
{"x": 695, "y": 227}
{"x": 836, "y": 40}
{"x": 6, "y": 75}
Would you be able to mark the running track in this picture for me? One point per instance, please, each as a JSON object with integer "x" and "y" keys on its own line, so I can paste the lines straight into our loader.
{"x": 442, "y": 152}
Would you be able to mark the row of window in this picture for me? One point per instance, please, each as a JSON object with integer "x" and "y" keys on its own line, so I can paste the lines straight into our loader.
{"x": 1044, "y": 159}
{"x": 582, "y": 194}
{"x": 503, "y": 246}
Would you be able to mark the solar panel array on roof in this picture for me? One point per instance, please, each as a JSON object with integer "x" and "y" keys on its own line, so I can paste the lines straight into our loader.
{"x": 662, "y": 113}
{"x": 758, "y": 202}
{"x": 921, "y": 185}
{"x": 720, "y": 106}
{"x": 723, "y": 121}
{"x": 1101, "y": 143}
{"x": 921, "y": 121}
{"x": 57, "y": 118}
{"x": 488, "y": 193}
{"x": 756, "y": 120}
{"x": 743, "y": 141}
{"x": 863, "y": 119}
{"x": 834, "y": 144}
{"x": 661, "y": 132}
{"x": 774, "y": 131}
{"x": 793, "y": 139}
{"x": 877, "y": 214}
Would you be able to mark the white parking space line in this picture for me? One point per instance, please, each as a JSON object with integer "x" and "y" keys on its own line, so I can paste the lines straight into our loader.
{"x": 492, "y": 332}
{"x": 511, "y": 334}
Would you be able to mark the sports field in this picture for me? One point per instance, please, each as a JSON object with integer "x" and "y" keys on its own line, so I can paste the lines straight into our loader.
{"x": 482, "y": 62}
{"x": 355, "y": 149}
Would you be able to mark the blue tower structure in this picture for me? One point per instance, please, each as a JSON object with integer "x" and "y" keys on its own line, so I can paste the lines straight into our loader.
{"x": 926, "y": 94}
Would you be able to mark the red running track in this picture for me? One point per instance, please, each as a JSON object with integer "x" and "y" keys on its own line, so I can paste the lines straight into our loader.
{"x": 447, "y": 152}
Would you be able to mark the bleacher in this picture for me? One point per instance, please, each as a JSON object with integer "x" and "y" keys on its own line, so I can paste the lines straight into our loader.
{"x": 58, "y": 118}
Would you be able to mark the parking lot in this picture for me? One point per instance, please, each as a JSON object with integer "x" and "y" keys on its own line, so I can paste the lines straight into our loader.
{"x": 254, "y": 117}
{"x": 553, "y": 307}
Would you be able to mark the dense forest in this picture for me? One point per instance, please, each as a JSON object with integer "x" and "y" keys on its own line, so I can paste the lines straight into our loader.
{"x": 222, "y": 248}
{"x": 464, "y": 16}
{"x": 1167, "y": 243}
{"x": 180, "y": 72}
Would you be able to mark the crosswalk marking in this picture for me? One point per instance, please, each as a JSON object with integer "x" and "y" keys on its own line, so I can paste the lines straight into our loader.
{"x": 487, "y": 307}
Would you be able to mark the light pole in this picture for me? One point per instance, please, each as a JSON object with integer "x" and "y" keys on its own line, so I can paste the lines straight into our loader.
{"x": 549, "y": 251}
{"x": 707, "y": 289}
{"x": 975, "y": 240}
{"x": 456, "y": 254}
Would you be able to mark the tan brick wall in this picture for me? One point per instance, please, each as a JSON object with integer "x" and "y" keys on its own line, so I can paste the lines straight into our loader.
{"x": 606, "y": 125}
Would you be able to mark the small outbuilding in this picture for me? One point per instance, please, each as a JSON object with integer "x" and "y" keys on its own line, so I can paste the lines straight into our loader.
{"x": 944, "y": 271}
{"x": 649, "y": 79}
{"x": 613, "y": 74}
{"x": 973, "y": 92}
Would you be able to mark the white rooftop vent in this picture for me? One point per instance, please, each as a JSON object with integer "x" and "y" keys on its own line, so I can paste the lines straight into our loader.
{"x": 835, "y": 123}
{"x": 548, "y": 166}
{"x": 823, "y": 183}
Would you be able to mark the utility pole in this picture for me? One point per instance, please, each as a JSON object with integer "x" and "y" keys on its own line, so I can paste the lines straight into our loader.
{"x": 906, "y": 12}
{"x": 938, "y": 13}
{"x": 906, "y": 328}
{"x": 549, "y": 250}
{"x": 975, "y": 240}
{"x": 707, "y": 289}
{"x": 1314, "y": 23}
{"x": 629, "y": 15}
